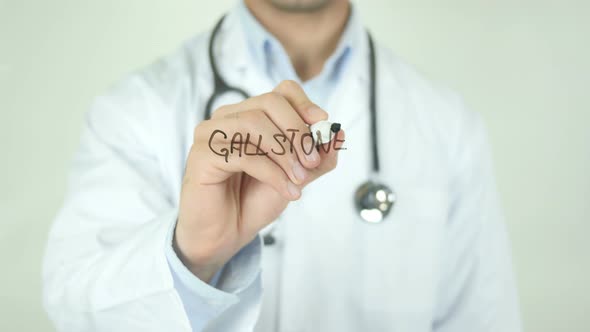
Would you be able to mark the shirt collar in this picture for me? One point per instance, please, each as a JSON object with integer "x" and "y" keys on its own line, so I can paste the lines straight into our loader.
{"x": 268, "y": 54}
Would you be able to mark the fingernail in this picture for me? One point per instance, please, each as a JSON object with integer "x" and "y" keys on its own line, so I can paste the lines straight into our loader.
{"x": 293, "y": 189}
{"x": 313, "y": 156}
{"x": 299, "y": 171}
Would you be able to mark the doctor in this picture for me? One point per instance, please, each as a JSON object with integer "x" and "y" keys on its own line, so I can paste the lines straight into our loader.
{"x": 158, "y": 233}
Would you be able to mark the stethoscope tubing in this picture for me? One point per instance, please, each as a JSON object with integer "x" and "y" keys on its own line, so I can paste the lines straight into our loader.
{"x": 221, "y": 87}
{"x": 371, "y": 197}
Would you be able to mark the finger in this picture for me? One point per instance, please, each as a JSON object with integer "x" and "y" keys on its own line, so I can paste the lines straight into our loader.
{"x": 209, "y": 168}
{"x": 329, "y": 154}
{"x": 282, "y": 113}
{"x": 296, "y": 96}
{"x": 253, "y": 132}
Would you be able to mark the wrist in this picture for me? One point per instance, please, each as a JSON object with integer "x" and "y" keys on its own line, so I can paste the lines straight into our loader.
{"x": 200, "y": 263}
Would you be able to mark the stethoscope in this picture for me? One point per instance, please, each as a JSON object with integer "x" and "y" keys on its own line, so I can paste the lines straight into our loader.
{"x": 373, "y": 200}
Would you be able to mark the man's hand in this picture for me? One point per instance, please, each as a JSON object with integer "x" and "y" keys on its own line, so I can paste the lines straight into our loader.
{"x": 223, "y": 204}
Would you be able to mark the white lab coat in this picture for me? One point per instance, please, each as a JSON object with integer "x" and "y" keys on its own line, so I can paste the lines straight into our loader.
{"x": 440, "y": 262}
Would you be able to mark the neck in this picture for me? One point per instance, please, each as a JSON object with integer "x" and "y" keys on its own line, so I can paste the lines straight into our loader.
{"x": 309, "y": 37}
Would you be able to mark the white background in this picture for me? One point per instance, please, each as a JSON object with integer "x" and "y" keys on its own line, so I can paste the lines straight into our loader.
{"x": 523, "y": 64}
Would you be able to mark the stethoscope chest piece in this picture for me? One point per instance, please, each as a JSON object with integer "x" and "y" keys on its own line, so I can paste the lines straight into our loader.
{"x": 374, "y": 201}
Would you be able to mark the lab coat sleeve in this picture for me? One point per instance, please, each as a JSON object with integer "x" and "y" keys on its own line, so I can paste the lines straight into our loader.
{"x": 106, "y": 266}
{"x": 477, "y": 289}
{"x": 197, "y": 296}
